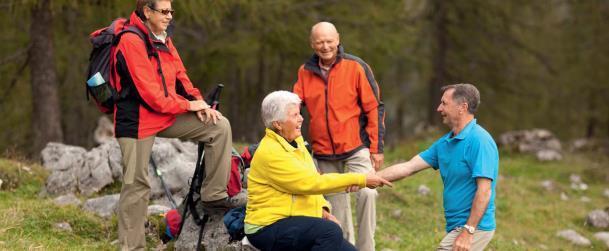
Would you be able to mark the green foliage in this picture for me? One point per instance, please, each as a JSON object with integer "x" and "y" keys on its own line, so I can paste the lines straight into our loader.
{"x": 537, "y": 63}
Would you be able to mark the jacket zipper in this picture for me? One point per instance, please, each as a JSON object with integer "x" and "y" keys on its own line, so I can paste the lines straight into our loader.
{"x": 327, "y": 114}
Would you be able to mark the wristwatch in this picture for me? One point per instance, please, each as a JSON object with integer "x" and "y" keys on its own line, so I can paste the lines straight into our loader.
{"x": 470, "y": 229}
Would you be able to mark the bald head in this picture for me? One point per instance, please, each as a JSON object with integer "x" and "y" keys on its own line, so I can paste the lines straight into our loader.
{"x": 325, "y": 41}
{"x": 323, "y": 28}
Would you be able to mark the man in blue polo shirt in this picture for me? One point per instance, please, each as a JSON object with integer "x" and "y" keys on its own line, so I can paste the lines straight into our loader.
{"x": 468, "y": 161}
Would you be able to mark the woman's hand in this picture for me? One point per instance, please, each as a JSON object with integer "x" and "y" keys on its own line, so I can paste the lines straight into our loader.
{"x": 328, "y": 216}
{"x": 374, "y": 181}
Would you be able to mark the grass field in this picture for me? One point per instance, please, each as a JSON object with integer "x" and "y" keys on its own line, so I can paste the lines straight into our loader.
{"x": 528, "y": 216}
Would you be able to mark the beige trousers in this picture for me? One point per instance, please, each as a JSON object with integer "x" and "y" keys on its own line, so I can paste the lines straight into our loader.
{"x": 365, "y": 209}
{"x": 481, "y": 239}
{"x": 135, "y": 192}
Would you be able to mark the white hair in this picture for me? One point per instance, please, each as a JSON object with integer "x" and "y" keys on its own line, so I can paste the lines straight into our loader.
{"x": 275, "y": 105}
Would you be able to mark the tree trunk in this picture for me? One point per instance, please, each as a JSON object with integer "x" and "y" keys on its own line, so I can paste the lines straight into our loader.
{"x": 46, "y": 115}
{"x": 438, "y": 57}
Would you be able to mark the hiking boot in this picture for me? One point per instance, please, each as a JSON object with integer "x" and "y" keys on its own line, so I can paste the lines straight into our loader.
{"x": 225, "y": 204}
{"x": 221, "y": 205}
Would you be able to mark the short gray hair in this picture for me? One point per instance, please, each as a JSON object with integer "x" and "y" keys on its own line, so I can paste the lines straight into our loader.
{"x": 275, "y": 105}
{"x": 466, "y": 93}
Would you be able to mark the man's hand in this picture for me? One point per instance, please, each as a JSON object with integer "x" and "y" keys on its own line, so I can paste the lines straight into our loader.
{"x": 374, "y": 181}
{"x": 328, "y": 216}
{"x": 377, "y": 160}
{"x": 463, "y": 241}
{"x": 207, "y": 115}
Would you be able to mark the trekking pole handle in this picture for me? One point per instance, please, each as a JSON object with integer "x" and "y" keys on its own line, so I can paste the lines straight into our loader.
{"x": 213, "y": 99}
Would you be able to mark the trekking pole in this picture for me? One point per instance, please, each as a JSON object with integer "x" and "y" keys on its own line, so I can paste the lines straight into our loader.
{"x": 213, "y": 98}
{"x": 159, "y": 174}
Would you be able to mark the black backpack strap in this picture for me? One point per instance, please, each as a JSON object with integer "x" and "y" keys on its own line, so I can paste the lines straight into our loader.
{"x": 149, "y": 48}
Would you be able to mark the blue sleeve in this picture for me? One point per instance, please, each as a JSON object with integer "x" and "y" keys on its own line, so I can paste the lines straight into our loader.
{"x": 431, "y": 155}
{"x": 483, "y": 158}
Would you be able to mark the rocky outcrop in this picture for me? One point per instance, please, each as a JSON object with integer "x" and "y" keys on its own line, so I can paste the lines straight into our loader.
{"x": 540, "y": 142}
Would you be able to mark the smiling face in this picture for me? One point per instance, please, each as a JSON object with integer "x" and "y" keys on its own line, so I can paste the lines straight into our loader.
{"x": 157, "y": 20}
{"x": 325, "y": 41}
{"x": 290, "y": 128}
{"x": 451, "y": 110}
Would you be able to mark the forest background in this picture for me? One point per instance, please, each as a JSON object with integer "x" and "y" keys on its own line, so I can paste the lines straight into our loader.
{"x": 538, "y": 64}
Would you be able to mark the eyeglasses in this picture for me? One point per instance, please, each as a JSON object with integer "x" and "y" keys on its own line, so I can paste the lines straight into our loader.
{"x": 164, "y": 12}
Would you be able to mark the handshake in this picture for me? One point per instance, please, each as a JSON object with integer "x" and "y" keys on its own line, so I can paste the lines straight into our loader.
{"x": 372, "y": 181}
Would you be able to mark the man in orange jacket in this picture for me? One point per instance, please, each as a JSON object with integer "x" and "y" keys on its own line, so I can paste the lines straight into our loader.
{"x": 346, "y": 124}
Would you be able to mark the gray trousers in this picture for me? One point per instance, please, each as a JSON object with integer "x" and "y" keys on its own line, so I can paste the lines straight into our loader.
{"x": 365, "y": 209}
{"x": 135, "y": 192}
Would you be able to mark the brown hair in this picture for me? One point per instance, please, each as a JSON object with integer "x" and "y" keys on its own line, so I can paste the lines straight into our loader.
{"x": 139, "y": 6}
{"x": 466, "y": 93}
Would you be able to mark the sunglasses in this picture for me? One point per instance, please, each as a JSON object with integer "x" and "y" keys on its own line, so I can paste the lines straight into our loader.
{"x": 164, "y": 12}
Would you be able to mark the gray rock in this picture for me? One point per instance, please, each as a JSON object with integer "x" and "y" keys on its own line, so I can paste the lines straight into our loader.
{"x": 1, "y": 183}
{"x": 598, "y": 218}
{"x": 606, "y": 192}
{"x": 104, "y": 132}
{"x": 574, "y": 178}
{"x": 548, "y": 185}
{"x": 63, "y": 226}
{"x": 585, "y": 199}
{"x": 423, "y": 190}
{"x": 60, "y": 157}
{"x": 563, "y": 196}
{"x": 63, "y": 162}
{"x": 574, "y": 237}
{"x": 115, "y": 159}
{"x": 602, "y": 236}
{"x": 548, "y": 155}
{"x": 540, "y": 142}
{"x": 96, "y": 173}
{"x": 103, "y": 206}
{"x": 68, "y": 199}
{"x": 175, "y": 168}
{"x": 397, "y": 213}
{"x": 61, "y": 182}
{"x": 215, "y": 235}
{"x": 157, "y": 209}
{"x": 579, "y": 186}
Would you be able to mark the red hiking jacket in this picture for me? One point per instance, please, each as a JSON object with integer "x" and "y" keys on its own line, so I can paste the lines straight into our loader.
{"x": 346, "y": 112}
{"x": 147, "y": 106}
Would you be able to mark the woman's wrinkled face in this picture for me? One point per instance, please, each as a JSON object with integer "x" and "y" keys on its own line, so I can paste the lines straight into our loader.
{"x": 290, "y": 128}
{"x": 160, "y": 16}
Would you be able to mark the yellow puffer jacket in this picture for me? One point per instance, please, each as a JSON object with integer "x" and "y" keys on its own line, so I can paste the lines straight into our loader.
{"x": 283, "y": 182}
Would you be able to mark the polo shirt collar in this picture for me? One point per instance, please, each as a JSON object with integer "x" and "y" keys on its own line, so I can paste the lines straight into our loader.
{"x": 283, "y": 142}
{"x": 463, "y": 134}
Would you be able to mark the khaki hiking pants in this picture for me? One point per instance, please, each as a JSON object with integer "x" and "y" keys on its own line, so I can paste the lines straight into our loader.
{"x": 135, "y": 192}
{"x": 481, "y": 239}
{"x": 365, "y": 209}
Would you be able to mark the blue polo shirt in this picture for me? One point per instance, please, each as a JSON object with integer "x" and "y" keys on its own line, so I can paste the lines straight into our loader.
{"x": 461, "y": 159}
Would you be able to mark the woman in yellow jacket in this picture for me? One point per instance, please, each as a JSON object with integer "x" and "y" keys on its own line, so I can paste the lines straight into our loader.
{"x": 286, "y": 209}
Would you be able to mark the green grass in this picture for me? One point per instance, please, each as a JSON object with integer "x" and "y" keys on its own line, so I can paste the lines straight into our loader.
{"x": 528, "y": 217}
